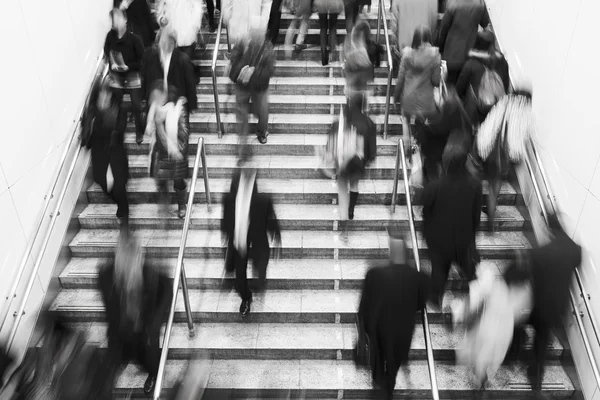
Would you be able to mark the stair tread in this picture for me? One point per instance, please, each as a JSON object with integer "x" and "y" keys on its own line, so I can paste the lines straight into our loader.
{"x": 301, "y": 80}
{"x": 265, "y": 162}
{"x": 297, "y": 269}
{"x": 291, "y": 239}
{"x": 293, "y": 99}
{"x": 325, "y": 212}
{"x": 301, "y": 119}
{"x": 297, "y": 186}
{"x": 285, "y": 64}
{"x": 296, "y": 336}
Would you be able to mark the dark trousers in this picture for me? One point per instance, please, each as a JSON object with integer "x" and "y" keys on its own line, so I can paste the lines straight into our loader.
{"x": 210, "y": 9}
{"x": 274, "y": 21}
{"x": 535, "y": 370}
{"x": 189, "y": 51}
{"x": 440, "y": 268}
{"x": 136, "y": 106}
{"x": 328, "y": 24}
{"x": 351, "y": 10}
{"x": 142, "y": 348}
{"x": 260, "y": 104}
{"x": 240, "y": 264}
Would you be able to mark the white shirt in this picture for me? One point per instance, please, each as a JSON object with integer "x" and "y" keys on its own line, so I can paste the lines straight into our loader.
{"x": 242, "y": 213}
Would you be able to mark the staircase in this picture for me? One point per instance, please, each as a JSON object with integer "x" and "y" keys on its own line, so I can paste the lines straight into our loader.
{"x": 300, "y": 333}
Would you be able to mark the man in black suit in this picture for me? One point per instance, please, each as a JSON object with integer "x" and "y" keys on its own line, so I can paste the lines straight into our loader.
{"x": 391, "y": 297}
{"x": 248, "y": 218}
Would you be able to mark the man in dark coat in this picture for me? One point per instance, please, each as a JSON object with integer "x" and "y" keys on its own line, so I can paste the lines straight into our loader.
{"x": 137, "y": 298}
{"x": 391, "y": 297}
{"x": 248, "y": 219}
{"x": 552, "y": 268}
{"x": 451, "y": 216}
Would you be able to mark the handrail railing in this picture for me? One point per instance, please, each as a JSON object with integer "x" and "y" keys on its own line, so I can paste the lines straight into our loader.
{"x": 180, "y": 270}
{"x": 213, "y": 70}
{"x": 382, "y": 15}
{"x": 401, "y": 155}
{"x": 12, "y": 294}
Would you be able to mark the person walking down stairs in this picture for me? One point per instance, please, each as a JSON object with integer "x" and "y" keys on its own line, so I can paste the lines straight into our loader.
{"x": 251, "y": 68}
{"x": 302, "y": 10}
{"x": 140, "y": 19}
{"x": 328, "y": 10}
{"x": 248, "y": 221}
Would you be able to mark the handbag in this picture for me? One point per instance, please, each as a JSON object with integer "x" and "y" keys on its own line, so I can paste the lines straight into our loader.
{"x": 417, "y": 179}
{"x": 363, "y": 350}
{"x": 440, "y": 94}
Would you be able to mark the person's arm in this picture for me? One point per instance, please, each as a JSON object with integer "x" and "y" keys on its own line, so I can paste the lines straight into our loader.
{"x": 272, "y": 222}
{"x": 399, "y": 89}
{"x": 445, "y": 27}
{"x": 504, "y": 74}
{"x": 138, "y": 50}
{"x": 464, "y": 79}
{"x": 485, "y": 18}
{"x": 265, "y": 72}
{"x": 436, "y": 74}
{"x": 107, "y": 49}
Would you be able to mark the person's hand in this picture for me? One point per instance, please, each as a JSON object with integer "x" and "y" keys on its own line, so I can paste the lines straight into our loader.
{"x": 246, "y": 74}
{"x": 114, "y": 67}
{"x": 277, "y": 247}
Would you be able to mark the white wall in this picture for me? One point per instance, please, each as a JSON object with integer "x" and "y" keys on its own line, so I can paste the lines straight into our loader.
{"x": 50, "y": 51}
{"x": 551, "y": 44}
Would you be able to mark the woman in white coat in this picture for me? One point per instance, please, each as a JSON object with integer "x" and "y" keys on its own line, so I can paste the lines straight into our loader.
{"x": 489, "y": 314}
{"x": 242, "y": 16}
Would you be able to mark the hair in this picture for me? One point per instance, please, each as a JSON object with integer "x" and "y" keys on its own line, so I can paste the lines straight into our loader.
{"x": 485, "y": 41}
{"x": 455, "y": 154}
{"x": 421, "y": 36}
{"x": 116, "y": 11}
{"x": 355, "y": 46}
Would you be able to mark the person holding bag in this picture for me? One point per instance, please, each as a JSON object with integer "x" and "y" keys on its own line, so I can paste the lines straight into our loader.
{"x": 252, "y": 65}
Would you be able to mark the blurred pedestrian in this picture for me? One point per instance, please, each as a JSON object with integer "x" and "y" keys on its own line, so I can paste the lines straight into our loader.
{"x": 124, "y": 52}
{"x": 252, "y": 66}
{"x": 484, "y": 80}
{"x": 451, "y": 216}
{"x": 302, "y": 10}
{"x": 391, "y": 297}
{"x": 245, "y": 16}
{"x": 328, "y": 10}
{"x": 136, "y": 298}
{"x": 458, "y": 32}
{"x": 212, "y": 10}
{"x": 104, "y": 128}
{"x": 248, "y": 221}
{"x": 140, "y": 19}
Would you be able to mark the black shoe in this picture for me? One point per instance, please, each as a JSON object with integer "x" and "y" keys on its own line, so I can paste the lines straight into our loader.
{"x": 263, "y": 138}
{"x": 299, "y": 47}
{"x": 245, "y": 307}
{"x": 139, "y": 138}
{"x": 485, "y": 210}
{"x": 149, "y": 385}
{"x": 324, "y": 57}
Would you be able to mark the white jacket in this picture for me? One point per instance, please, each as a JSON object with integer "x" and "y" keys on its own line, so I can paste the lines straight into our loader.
{"x": 241, "y": 16}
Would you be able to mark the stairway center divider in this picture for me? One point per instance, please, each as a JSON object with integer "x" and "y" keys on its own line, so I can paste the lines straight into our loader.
{"x": 100, "y": 72}
{"x": 179, "y": 270}
{"x": 401, "y": 155}
{"x": 213, "y": 70}
{"x": 383, "y": 16}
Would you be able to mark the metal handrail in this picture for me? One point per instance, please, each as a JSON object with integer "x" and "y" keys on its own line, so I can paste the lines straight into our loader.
{"x": 382, "y": 15}
{"x": 180, "y": 270}
{"x": 401, "y": 155}
{"x": 213, "y": 69}
{"x": 53, "y": 215}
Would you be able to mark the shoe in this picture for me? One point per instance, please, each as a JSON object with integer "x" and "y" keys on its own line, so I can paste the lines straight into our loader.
{"x": 485, "y": 210}
{"x": 139, "y": 138}
{"x": 212, "y": 27}
{"x": 245, "y": 307}
{"x": 299, "y": 47}
{"x": 353, "y": 200}
{"x": 182, "y": 199}
{"x": 149, "y": 385}
{"x": 263, "y": 138}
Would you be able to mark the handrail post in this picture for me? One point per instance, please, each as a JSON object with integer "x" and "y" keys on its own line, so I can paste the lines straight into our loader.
{"x": 205, "y": 173}
{"x": 213, "y": 69}
{"x": 179, "y": 277}
{"x": 415, "y": 245}
{"x": 396, "y": 173}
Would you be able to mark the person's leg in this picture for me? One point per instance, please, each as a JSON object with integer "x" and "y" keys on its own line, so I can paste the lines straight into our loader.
{"x": 303, "y": 30}
{"x": 274, "y": 21}
{"x": 210, "y": 11}
{"x": 353, "y": 197}
{"x": 332, "y": 31}
{"x": 440, "y": 267}
{"x": 182, "y": 198}
{"x": 493, "y": 193}
{"x": 323, "y": 37}
{"x": 289, "y": 36}
{"x": 535, "y": 371}
{"x": 242, "y": 98}
{"x": 241, "y": 281}
{"x": 119, "y": 195}
{"x": 164, "y": 199}
{"x": 343, "y": 196}
{"x": 148, "y": 355}
{"x": 136, "y": 108}
{"x": 349, "y": 16}
{"x": 261, "y": 104}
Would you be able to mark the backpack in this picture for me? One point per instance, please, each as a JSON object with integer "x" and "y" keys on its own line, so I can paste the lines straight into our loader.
{"x": 491, "y": 89}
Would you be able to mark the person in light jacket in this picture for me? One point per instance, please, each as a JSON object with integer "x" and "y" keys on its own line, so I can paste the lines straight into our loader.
{"x": 245, "y": 16}
{"x": 420, "y": 72}
{"x": 458, "y": 32}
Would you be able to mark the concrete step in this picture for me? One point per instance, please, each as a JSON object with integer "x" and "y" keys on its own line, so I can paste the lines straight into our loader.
{"x": 323, "y": 217}
{"x": 292, "y": 104}
{"x": 285, "y": 68}
{"x": 334, "y": 379}
{"x": 269, "y": 167}
{"x": 282, "y": 123}
{"x": 272, "y": 306}
{"x": 295, "y": 244}
{"x": 312, "y": 36}
{"x": 268, "y": 341}
{"x": 323, "y": 86}
{"x": 280, "y": 145}
{"x": 301, "y": 274}
{"x": 286, "y": 191}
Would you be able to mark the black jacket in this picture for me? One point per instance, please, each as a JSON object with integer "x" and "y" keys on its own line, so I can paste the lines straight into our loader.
{"x": 181, "y": 75}
{"x": 140, "y": 20}
{"x": 451, "y": 214}
{"x": 391, "y": 297}
{"x": 263, "y": 222}
{"x": 130, "y": 46}
{"x": 254, "y": 54}
{"x": 471, "y": 75}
